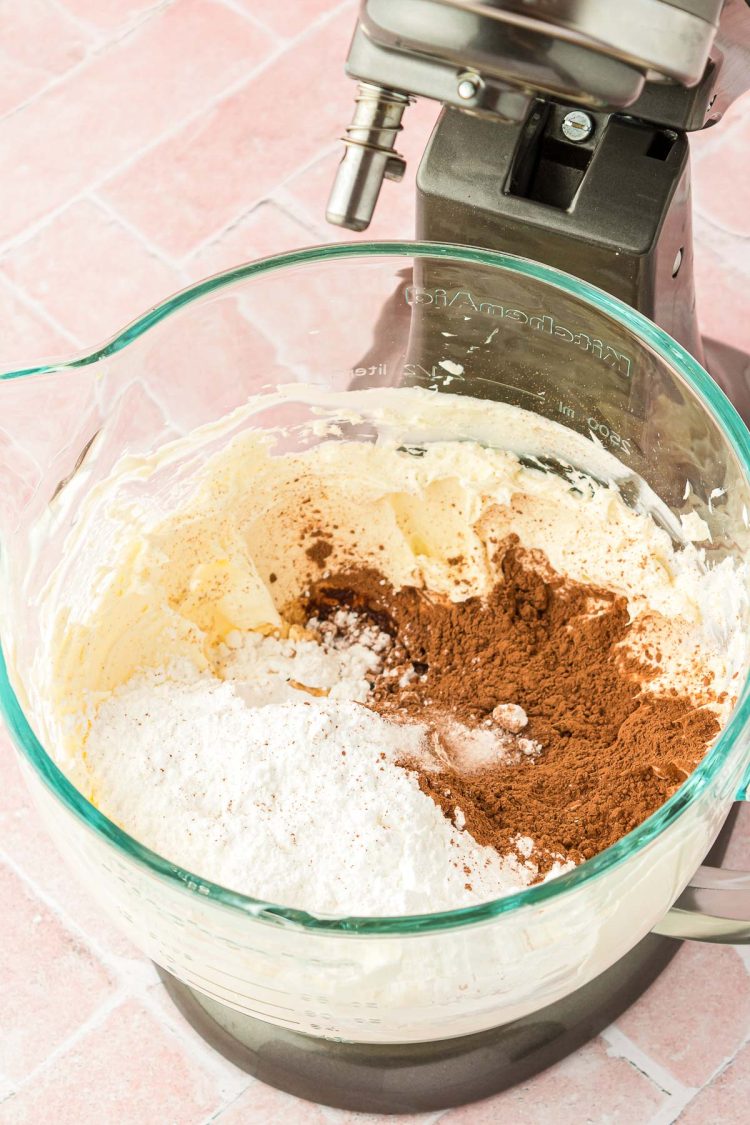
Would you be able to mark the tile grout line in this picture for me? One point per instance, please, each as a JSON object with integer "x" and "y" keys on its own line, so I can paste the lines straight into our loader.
{"x": 620, "y": 1046}
{"x": 727, "y": 1062}
{"x": 715, "y": 134}
{"x": 673, "y": 1110}
{"x": 314, "y": 23}
{"x": 256, "y": 322}
{"x": 323, "y": 18}
{"x": 37, "y": 307}
{"x": 240, "y": 10}
{"x": 259, "y": 201}
{"x": 743, "y": 952}
{"x": 294, "y": 206}
{"x": 680, "y": 1095}
{"x": 8, "y": 1088}
{"x": 28, "y": 232}
{"x": 300, "y": 210}
{"x": 97, "y": 47}
{"x": 733, "y": 236}
{"x": 288, "y": 206}
{"x": 305, "y": 218}
{"x": 717, "y": 1073}
{"x": 37, "y": 226}
{"x": 215, "y": 100}
{"x": 97, "y": 1017}
{"x": 201, "y": 1052}
{"x": 140, "y": 236}
{"x": 19, "y": 238}
{"x": 100, "y": 34}
{"x": 102, "y": 40}
{"x": 279, "y": 198}
{"x": 126, "y": 987}
{"x": 217, "y": 1114}
{"x": 76, "y": 21}
{"x": 92, "y": 49}
{"x": 109, "y": 960}
{"x": 345, "y": 5}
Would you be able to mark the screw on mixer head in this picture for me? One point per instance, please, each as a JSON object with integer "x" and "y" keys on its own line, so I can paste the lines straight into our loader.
{"x": 577, "y": 126}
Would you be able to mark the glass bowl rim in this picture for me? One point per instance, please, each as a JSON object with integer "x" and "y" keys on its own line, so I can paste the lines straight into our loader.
{"x": 685, "y": 366}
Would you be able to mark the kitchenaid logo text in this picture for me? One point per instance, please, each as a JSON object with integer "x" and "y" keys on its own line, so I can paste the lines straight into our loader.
{"x": 463, "y": 299}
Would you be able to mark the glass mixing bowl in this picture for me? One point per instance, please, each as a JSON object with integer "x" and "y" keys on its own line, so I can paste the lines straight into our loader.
{"x": 452, "y": 320}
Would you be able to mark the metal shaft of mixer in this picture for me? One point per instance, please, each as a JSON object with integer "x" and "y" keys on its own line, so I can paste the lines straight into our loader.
{"x": 369, "y": 156}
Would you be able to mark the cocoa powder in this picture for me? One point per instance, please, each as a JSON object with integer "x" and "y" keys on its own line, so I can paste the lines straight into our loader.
{"x": 319, "y": 550}
{"x": 612, "y": 753}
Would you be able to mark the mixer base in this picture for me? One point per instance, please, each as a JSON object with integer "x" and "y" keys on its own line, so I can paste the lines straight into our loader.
{"x": 419, "y": 1077}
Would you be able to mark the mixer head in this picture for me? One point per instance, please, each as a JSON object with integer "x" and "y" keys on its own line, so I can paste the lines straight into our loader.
{"x": 677, "y": 63}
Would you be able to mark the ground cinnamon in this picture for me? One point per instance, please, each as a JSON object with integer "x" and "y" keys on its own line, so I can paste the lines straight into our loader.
{"x": 611, "y": 752}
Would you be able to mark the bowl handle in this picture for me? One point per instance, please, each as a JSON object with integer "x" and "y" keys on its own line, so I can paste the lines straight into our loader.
{"x": 715, "y": 906}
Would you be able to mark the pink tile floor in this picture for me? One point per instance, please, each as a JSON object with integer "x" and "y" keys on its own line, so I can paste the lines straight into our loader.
{"x": 144, "y": 144}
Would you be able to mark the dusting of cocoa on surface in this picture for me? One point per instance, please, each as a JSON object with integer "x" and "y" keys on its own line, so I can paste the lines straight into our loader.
{"x": 611, "y": 752}
{"x": 319, "y": 550}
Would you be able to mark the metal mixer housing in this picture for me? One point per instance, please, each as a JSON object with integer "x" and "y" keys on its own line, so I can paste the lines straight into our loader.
{"x": 562, "y": 139}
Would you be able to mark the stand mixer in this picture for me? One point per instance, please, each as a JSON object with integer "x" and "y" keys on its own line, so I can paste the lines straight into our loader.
{"x": 562, "y": 140}
{"x": 563, "y": 136}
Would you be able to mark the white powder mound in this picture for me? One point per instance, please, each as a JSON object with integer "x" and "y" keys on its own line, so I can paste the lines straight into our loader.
{"x": 297, "y": 802}
{"x": 269, "y": 667}
{"x": 468, "y": 750}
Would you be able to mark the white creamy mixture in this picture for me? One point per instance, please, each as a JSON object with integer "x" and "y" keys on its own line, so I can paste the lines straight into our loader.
{"x": 184, "y": 707}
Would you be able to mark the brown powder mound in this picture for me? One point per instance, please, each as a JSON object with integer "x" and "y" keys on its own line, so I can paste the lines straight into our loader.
{"x": 611, "y": 753}
{"x": 319, "y": 550}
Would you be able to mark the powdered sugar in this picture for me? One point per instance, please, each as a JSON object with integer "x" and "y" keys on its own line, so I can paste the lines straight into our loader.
{"x": 298, "y": 801}
{"x": 270, "y": 669}
{"x": 269, "y": 776}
